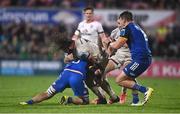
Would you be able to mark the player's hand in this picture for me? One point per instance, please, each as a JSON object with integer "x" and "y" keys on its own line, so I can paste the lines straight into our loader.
{"x": 98, "y": 72}
{"x": 109, "y": 51}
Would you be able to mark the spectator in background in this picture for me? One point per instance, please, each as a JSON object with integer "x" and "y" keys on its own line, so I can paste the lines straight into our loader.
{"x": 161, "y": 33}
{"x": 18, "y": 36}
{"x": 26, "y": 41}
{"x": 5, "y": 3}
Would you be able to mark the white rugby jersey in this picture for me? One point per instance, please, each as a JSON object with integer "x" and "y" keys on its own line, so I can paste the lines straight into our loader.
{"x": 115, "y": 34}
{"x": 90, "y": 31}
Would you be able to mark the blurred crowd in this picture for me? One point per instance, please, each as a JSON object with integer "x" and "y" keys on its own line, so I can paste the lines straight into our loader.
{"x": 26, "y": 41}
{"x": 129, "y": 4}
{"x": 165, "y": 43}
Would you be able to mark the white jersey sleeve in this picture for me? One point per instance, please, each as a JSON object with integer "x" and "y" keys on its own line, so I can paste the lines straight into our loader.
{"x": 99, "y": 28}
{"x": 115, "y": 34}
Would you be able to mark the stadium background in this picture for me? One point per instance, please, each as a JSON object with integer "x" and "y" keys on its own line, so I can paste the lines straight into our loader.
{"x": 26, "y": 27}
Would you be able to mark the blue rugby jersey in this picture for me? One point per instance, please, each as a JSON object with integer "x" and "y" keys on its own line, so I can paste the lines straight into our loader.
{"x": 137, "y": 41}
{"x": 77, "y": 65}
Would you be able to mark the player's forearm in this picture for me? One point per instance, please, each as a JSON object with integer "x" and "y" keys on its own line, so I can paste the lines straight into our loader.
{"x": 110, "y": 50}
{"x": 119, "y": 43}
{"x": 114, "y": 45}
{"x": 105, "y": 40}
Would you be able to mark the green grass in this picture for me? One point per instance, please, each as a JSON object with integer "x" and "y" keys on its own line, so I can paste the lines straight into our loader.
{"x": 166, "y": 97}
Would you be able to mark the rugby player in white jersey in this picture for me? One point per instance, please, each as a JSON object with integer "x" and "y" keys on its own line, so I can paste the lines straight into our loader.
{"x": 88, "y": 37}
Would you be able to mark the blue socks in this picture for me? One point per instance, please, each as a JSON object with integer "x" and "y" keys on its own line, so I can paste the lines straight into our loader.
{"x": 30, "y": 102}
{"x": 139, "y": 88}
{"x": 135, "y": 98}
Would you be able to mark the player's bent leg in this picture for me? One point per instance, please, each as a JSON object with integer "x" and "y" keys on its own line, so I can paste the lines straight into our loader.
{"x": 104, "y": 84}
{"x": 99, "y": 101}
{"x": 91, "y": 83}
{"x": 124, "y": 81}
{"x": 36, "y": 99}
{"x": 79, "y": 89}
{"x": 129, "y": 83}
{"x": 107, "y": 88}
{"x": 65, "y": 100}
{"x": 51, "y": 91}
{"x": 135, "y": 96}
{"x": 122, "y": 96}
{"x": 110, "y": 66}
{"x": 79, "y": 100}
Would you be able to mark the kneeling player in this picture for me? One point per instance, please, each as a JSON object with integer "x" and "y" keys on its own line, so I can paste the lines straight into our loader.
{"x": 72, "y": 76}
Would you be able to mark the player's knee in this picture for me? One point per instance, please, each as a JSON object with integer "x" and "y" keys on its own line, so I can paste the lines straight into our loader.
{"x": 50, "y": 92}
{"x": 120, "y": 78}
{"x": 118, "y": 81}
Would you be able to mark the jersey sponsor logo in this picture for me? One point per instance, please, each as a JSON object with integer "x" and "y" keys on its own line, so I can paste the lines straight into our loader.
{"x": 122, "y": 32}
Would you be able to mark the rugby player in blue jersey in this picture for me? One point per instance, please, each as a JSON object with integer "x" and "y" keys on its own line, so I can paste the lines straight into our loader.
{"x": 137, "y": 42}
{"x": 73, "y": 76}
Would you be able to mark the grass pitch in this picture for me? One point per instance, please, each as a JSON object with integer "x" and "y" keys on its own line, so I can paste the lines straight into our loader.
{"x": 166, "y": 97}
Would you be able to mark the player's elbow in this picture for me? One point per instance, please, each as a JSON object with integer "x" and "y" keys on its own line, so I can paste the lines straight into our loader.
{"x": 75, "y": 37}
{"x": 114, "y": 47}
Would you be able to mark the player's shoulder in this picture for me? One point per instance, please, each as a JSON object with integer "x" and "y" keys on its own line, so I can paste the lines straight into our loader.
{"x": 115, "y": 30}
{"x": 82, "y": 22}
{"x": 96, "y": 22}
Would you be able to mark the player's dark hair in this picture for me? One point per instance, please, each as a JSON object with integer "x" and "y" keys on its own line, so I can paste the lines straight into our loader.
{"x": 61, "y": 41}
{"x": 126, "y": 15}
{"x": 88, "y": 8}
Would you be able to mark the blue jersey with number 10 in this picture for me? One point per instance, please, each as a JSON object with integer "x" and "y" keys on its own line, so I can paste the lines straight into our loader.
{"x": 137, "y": 41}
